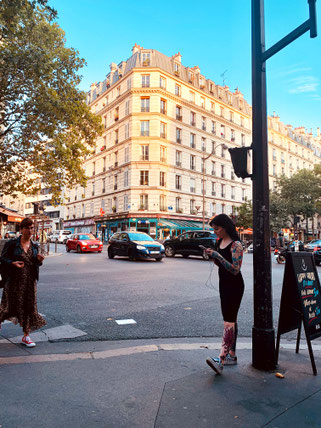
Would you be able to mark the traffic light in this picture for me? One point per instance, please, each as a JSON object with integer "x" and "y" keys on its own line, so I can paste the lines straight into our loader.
{"x": 241, "y": 161}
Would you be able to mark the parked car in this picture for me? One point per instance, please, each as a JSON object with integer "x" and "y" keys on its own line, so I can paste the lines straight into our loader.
{"x": 250, "y": 248}
{"x": 317, "y": 255}
{"x": 134, "y": 245}
{"x": 310, "y": 245}
{"x": 60, "y": 235}
{"x": 291, "y": 246}
{"x": 188, "y": 244}
{"x": 84, "y": 243}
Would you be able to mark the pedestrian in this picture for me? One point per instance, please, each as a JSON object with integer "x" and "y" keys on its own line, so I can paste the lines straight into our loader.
{"x": 228, "y": 257}
{"x": 20, "y": 263}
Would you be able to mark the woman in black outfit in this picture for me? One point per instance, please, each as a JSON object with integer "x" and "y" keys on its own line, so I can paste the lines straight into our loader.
{"x": 228, "y": 257}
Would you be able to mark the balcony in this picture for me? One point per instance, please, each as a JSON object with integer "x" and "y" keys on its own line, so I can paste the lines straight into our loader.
{"x": 192, "y": 167}
{"x": 179, "y": 117}
{"x": 144, "y": 158}
{"x": 193, "y": 212}
{"x": 162, "y": 184}
{"x": 223, "y": 195}
{"x": 143, "y": 208}
{"x": 179, "y": 164}
{"x": 232, "y": 138}
{"x": 178, "y": 140}
{"x": 163, "y": 159}
{"x": 145, "y": 85}
{"x": 144, "y": 133}
{"x": 146, "y": 63}
{"x": 192, "y": 145}
{"x": 222, "y": 135}
{"x": 223, "y": 175}
{"x": 93, "y": 193}
{"x": 213, "y": 193}
{"x": 104, "y": 190}
{"x": 193, "y": 190}
{"x": 179, "y": 210}
{"x": 115, "y": 186}
{"x": 193, "y": 123}
{"x": 163, "y": 135}
{"x": 213, "y": 132}
{"x": 213, "y": 172}
{"x": 178, "y": 187}
{"x": 163, "y": 110}
{"x": 144, "y": 109}
{"x": 163, "y": 209}
{"x": 232, "y": 196}
{"x": 115, "y": 164}
{"x": 203, "y": 127}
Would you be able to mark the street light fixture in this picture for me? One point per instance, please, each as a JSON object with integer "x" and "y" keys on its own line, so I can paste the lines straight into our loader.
{"x": 203, "y": 172}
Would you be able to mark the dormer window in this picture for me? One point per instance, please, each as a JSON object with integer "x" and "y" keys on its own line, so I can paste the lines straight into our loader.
{"x": 202, "y": 82}
{"x": 176, "y": 68}
{"x": 190, "y": 77}
{"x": 146, "y": 58}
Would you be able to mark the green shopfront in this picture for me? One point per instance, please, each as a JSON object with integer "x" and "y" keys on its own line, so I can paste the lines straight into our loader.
{"x": 157, "y": 228}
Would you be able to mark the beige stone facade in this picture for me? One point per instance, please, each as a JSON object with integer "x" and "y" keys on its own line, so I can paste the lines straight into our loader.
{"x": 161, "y": 121}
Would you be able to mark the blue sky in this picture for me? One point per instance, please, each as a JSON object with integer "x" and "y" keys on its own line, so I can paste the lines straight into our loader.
{"x": 213, "y": 34}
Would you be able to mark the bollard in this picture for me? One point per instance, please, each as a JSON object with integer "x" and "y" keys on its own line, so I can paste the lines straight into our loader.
{"x": 56, "y": 243}
{"x": 48, "y": 247}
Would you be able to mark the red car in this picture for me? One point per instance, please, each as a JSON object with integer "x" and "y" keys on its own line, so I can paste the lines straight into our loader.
{"x": 84, "y": 242}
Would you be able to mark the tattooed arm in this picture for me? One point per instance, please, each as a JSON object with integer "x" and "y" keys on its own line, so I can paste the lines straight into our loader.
{"x": 237, "y": 257}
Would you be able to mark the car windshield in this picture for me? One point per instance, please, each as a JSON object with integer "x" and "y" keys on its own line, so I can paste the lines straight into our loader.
{"x": 86, "y": 237}
{"x": 139, "y": 237}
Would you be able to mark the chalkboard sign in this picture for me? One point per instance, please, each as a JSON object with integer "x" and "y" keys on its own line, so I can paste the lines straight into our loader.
{"x": 301, "y": 299}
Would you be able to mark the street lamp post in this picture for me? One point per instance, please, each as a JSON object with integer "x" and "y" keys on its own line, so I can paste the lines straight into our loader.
{"x": 203, "y": 173}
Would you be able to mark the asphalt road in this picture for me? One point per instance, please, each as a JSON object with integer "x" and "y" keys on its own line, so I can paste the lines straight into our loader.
{"x": 175, "y": 298}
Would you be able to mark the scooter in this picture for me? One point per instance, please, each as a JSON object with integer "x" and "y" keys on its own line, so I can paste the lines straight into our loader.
{"x": 279, "y": 255}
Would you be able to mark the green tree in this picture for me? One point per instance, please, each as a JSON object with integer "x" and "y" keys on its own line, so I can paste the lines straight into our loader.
{"x": 245, "y": 215}
{"x": 279, "y": 213}
{"x": 44, "y": 120}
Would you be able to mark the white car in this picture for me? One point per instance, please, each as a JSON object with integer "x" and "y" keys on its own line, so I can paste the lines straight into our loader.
{"x": 60, "y": 236}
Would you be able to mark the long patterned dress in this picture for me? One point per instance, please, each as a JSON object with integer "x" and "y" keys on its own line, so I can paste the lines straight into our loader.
{"x": 19, "y": 297}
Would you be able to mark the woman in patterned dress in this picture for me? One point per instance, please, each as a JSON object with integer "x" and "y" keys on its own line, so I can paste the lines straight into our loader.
{"x": 20, "y": 263}
{"x": 228, "y": 257}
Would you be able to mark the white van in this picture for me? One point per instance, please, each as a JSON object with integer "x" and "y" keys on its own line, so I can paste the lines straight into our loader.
{"x": 60, "y": 235}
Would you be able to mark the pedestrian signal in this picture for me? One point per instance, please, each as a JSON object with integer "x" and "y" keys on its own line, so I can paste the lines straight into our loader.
{"x": 241, "y": 161}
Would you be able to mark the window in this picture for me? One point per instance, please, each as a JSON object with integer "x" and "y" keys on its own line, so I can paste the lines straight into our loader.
{"x": 126, "y": 207}
{"x": 163, "y": 130}
{"x": 222, "y": 111}
{"x": 232, "y": 192}
{"x": 243, "y": 195}
{"x": 242, "y": 121}
{"x": 202, "y": 102}
{"x": 146, "y": 58}
{"x": 213, "y": 168}
{"x": 145, "y": 152}
{"x": 145, "y": 80}
{"x": 193, "y": 118}
{"x": 222, "y": 152}
{"x": 125, "y": 178}
{"x": 223, "y": 190}
{"x": 179, "y": 113}
{"x": 144, "y": 104}
{"x": 127, "y": 108}
{"x": 126, "y": 154}
{"x": 163, "y": 106}
{"x": 103, "y": 185}
{"x": 192, "y": 162}
{"x": 116, "y": 159}
{"x": 162, "y": 82}
{"x": 162, "y": 181}
{"x": 94, "y": 168}
{"x": 274, "y": 155}
{"x": 162, "y": 203}
{"x": 243, "y": 140}
{"x": 223, "y": 171}
{"x": 126, "y": 130}
{"x": 178, "y": 158}
{"x": 190, "y": 77}
{"x": 203, "y": 144}
{"x": 192, "y": 207}
{"x": 213, "y": 189}
{"x": 116, "y": 136}
{"x": 192, "y": 97}
{"x": 178, "y": 182}
{"x": 192, "y": 141}
{"x": 129, "y": 83}
{"x": 163, "y": 154}
{"x": 212, "y": 107}
{"x": 143, "y": 205}
{"x": 118, "y": 91}
{"x": 178, "y": 135}
{"x": 144, "y": 178}
{"x": 115, "y": 182}
{"x": 203, "y": 123}
{"x": 231, "y": 116}
{"x": 177, "y": 90}
{"x": 222, "y": 131}
{"x": 116, "y": 115}
{"x": 176, "y": 68}
{"x": 283, "y": 160}
{"x": 192, "y": 185}
{"x": 105, "y": 122}
{"x": 213, "y": 127}
{"x": 178, "y": 205}
{"x": 144, "y": 128}
{"x": 232, "y": 135}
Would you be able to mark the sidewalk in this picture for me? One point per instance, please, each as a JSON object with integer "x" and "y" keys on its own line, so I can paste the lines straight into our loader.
{"x": 154, "y": 383}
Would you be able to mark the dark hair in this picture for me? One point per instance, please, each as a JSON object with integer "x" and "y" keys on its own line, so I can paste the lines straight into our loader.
{"x": 26, "y": 222}
{"x": 226, "y": 222}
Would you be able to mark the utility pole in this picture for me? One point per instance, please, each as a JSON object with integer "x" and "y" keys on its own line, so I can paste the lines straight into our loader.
{"x": 263, "y": 345}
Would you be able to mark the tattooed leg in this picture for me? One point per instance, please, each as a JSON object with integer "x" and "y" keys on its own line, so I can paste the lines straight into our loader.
{"x": 227, "y": 341}
{"x": 233, "y": 347}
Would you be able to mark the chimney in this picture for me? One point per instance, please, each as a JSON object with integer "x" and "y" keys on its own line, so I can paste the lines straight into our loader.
{"x": 177, "y": 57}
{"x": 136, "y": 48}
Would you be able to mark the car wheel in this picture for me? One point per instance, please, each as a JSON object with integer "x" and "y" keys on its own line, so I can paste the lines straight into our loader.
{"x": 169, "y": 251}
{"x": 131, "y": 255}
{"x": 67, "y": 249}
{"x": 110, "y": 253}
{"x": 205, "y": 255}
{"x": 185, "y": 256}
{"x": 99, "y": 251}
{"x": 79, "y": 250}
{"x": 158, "y": 259}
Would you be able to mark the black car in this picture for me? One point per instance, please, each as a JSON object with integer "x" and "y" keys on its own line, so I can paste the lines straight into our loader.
{"x": 188, "y": 244}
{"x": 135, "y": 245}
{"x": 317, "y": 255}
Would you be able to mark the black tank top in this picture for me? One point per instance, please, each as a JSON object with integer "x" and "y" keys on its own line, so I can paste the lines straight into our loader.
{"x": 227, "y": 254}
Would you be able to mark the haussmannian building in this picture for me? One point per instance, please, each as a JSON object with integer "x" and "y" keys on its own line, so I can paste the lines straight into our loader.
{"x": 166, "y": 129}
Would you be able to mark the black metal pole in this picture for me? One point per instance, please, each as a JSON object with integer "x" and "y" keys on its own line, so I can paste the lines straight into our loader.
{"x": 263, "y": 346}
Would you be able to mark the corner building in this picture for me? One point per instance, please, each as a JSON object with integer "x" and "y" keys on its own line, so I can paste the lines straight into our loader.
{"x": 166, "y": 129}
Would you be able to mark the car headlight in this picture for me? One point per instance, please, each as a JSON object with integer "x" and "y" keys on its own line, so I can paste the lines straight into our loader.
{"x": 140, "y": 247}
{"x": 84, "y": 243}
{"x": 162, "y": 247}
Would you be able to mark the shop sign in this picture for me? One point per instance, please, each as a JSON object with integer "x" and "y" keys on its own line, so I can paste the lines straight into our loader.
{"x": 85, "y": 222}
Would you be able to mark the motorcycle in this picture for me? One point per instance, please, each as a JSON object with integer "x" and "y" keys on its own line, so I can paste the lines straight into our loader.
{"x": 279, "y": 255}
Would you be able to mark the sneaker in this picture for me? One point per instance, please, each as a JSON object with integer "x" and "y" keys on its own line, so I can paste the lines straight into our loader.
{"x": 28, "y": 342}
{"x": 215, "y": 364}
{"x": 230, "y": 361}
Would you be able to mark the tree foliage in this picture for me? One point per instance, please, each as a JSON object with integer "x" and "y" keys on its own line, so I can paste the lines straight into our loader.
{"x": 279, "y": 213}
{"x": 245, "y": 215}
{"x": 44, "y": 120}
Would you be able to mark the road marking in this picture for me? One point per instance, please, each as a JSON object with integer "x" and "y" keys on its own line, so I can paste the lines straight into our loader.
{"x": 125, "y": 322}
{"x": 131, "y": 350}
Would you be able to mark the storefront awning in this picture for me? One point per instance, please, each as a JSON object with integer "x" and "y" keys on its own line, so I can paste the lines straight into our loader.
{"x": 182, "y": 224}
{"x": 13, "y": 216}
